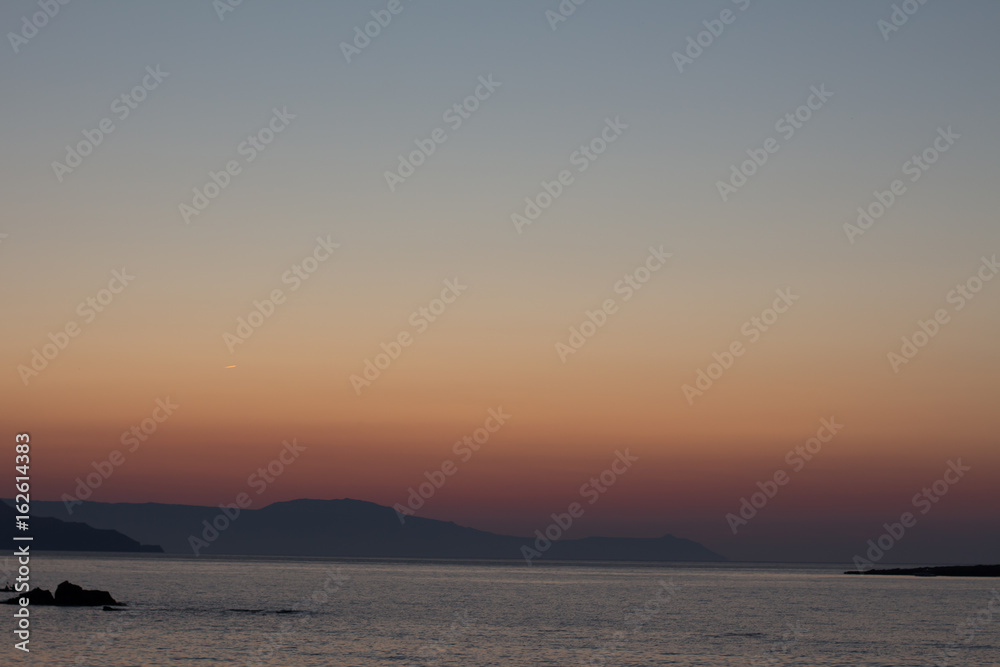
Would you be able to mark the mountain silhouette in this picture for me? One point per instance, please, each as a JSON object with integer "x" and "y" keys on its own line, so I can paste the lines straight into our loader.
{"x": 52, "y": 534}
{"x": 348, "y": 528}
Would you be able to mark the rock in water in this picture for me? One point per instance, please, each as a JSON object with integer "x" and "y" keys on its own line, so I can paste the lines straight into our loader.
{"x": 67, "y": 595}
{"x": 71, "y": 595}
{"x": 36, "y": 596}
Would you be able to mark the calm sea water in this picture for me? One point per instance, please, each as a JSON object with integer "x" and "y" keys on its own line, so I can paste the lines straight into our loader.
{"x": 251, "y": 611}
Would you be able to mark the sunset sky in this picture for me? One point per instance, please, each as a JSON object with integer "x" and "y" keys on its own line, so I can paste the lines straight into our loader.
{"x": 345, "y": 124}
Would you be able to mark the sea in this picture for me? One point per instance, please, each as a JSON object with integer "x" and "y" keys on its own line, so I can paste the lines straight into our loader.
{"x": 295, "y": 612}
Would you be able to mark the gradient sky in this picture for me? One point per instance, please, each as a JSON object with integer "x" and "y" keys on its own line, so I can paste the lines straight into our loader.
{"x": 495, "y": 346}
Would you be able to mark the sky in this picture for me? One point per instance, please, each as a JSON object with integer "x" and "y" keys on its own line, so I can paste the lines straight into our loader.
{"x": 605, "y": 168}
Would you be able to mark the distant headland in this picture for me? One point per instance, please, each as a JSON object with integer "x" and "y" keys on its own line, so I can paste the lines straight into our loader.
{"x": 946, "y": 571}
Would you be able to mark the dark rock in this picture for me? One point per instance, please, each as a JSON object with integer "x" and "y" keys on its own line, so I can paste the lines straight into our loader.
{"x": 71, "y": 595}
{"x": 36, "y": 596}
{"x": 107, "y": 608}
{"x": 67, "y": 595}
